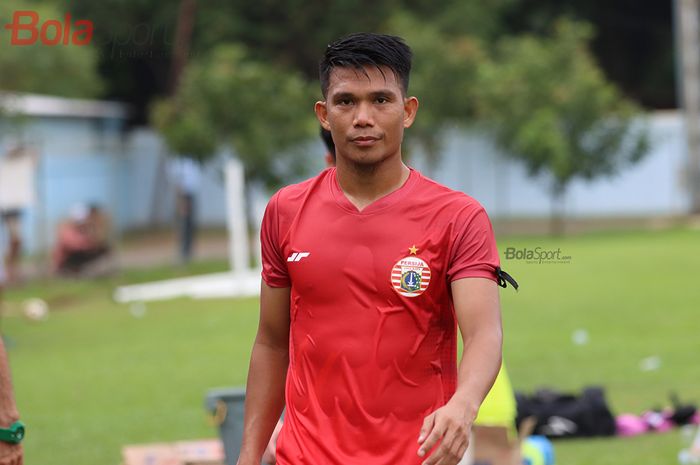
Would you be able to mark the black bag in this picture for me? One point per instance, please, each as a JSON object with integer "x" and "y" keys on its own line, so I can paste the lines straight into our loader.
{"x": 562, "y": 415}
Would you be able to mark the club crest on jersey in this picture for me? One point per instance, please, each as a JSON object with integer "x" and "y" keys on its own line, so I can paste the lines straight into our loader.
{"x": 410, "y": 276}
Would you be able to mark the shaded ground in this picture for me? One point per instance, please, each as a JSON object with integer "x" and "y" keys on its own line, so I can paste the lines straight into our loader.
{"x": 150, "y": 248}
{"x": 142, "y": 249}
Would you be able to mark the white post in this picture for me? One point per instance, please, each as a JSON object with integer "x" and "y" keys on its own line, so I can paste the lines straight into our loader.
{"x": 258, "y": 203}
{"x": 687, "y": 39}
{"x": 239, "y": 250}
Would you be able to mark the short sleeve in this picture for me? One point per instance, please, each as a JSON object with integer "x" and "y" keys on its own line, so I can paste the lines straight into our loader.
{"x": 474, "y": 254}
{"x": 274, "y": 267}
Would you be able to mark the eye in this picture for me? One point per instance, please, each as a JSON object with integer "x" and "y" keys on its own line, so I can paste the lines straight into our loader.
{"x": 344, "y": 101}
{"x": 381, "y": 100}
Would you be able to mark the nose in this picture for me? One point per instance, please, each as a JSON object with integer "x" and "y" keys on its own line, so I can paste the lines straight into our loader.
{"x": 363, "y": 115}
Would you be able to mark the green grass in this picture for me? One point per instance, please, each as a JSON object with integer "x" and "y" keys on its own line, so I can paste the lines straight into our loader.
{"x": 635, "y": 295}
{"x": 94, "y": 377}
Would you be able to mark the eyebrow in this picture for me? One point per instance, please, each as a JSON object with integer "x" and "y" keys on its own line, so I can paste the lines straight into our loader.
{"x": 375, "y": 94}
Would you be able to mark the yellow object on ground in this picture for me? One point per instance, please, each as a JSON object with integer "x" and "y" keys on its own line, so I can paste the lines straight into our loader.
{"x": 499, "y": 407}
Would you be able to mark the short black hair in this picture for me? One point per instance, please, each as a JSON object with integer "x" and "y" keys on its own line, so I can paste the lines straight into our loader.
{"x": 328, "y": 141}
{"x": 367, "y": 49}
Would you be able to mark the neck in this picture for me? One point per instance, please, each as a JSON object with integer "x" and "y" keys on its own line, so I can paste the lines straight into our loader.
{"x": 363, "y": 184}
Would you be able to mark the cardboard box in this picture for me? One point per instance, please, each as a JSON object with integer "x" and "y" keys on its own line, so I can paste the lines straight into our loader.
{"x": 201, "y": 452}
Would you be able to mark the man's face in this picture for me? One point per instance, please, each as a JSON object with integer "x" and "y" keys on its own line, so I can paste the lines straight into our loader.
{"x": 366, "y": 112}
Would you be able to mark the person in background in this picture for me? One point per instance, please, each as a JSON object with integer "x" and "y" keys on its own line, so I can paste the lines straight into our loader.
{"x": 495, "y": 435}
{"x": 11, "y": 259}
{"x": 327, "y": 139}
{"x": 3, "y": 274}
{"x": 99, "y": 225}
{"x": 76, "y": 246}
{"x": 186, "y": 175}
{"x": 10, "y": 453}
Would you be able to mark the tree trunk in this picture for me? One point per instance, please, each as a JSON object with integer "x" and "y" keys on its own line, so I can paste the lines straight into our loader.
{"x": 183, "y": 39}
{"x": 557, "y": 220}
{"x": 181, "y": 49}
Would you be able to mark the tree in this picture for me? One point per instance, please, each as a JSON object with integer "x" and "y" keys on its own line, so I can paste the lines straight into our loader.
{"x": 633, "y": 43}
{"x": 135, "y": 40}
{"x": 63, "y": 70}
{"x": 444, "y": 78}
{"x": 552, "y": 109}
{"x": 452, "y": 18}
{"x": 262, "y": 111}
{"x": 291, "y": 33}
{"x": 136, "y": 37}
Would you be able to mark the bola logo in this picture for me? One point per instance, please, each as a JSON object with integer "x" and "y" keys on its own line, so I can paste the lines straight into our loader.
{"x": 410, "y": 276}
{"x": 27, "y": 30}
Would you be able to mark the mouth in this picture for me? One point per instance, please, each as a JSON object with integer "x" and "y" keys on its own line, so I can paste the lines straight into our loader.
{"x": 364, "y": 141}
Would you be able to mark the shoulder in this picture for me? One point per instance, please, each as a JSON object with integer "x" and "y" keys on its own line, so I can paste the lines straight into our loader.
{"x": 293, "y": 191}
{"x": 289, "y": 198}
{"x": 442, "y": 198}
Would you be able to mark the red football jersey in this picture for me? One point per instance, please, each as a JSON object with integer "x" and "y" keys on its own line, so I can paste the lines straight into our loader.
{"x": 373, "y": 337}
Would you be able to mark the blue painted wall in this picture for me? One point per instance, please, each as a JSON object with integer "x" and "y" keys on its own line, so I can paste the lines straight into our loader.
{"x": 655, "y": 186}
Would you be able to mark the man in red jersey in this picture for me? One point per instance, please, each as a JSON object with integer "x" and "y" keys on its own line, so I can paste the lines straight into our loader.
{"x": 369, "y": 269}
{"x": 269, "y": 456}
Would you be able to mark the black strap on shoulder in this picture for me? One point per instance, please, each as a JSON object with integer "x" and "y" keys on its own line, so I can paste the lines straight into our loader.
{"x": 503, "y": 277}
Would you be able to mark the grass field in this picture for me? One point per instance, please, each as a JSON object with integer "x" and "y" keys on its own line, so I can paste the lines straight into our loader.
{"x": 96, "y": 375}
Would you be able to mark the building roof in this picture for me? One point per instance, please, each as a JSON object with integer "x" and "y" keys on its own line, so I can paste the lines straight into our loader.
{"x": 47, "y": 105}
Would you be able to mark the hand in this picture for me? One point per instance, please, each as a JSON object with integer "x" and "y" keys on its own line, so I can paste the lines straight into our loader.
{"x": 451, "y": 426}
{"x": 10, "y": 454}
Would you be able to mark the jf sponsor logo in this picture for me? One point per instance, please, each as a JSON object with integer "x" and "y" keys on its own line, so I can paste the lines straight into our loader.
{"x": 27, "y": 28}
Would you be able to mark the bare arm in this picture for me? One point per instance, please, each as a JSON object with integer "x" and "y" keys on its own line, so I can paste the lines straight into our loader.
{"x": 267, "y": 374}
{"x": 10, "y": 454}
{"x": 478, "y": 313}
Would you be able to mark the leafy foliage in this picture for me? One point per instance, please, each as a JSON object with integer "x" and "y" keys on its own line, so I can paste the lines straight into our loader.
{"x": 293, "y": 33}
{"x": 552, "y": 108}
{"x": 258, "y": 109}
{"x": 547, "y": 99}
{"x": 63, "y": 70}
{"x": 444, "y": 79}
{"x": 475, "y": 18}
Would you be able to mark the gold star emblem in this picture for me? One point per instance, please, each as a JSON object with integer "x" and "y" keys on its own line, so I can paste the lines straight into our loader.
{"x": 413, "y": 249}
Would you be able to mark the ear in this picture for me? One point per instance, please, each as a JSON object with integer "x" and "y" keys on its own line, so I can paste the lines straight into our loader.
{"x": 322, "y": 114}
{"x": 410, "y": 108}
